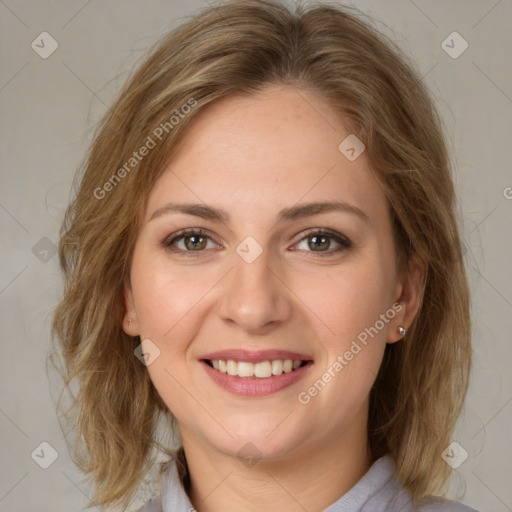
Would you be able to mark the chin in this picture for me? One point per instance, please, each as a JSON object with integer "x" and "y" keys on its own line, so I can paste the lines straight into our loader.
{"x": 261, "y": 440}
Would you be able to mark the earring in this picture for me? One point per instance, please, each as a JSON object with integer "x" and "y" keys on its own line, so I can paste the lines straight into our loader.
{"x": 129, "y": 320}
{"x": 401, "y": 330}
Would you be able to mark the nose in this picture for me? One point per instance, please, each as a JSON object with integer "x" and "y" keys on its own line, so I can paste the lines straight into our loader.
{"x": 255, "y": 297}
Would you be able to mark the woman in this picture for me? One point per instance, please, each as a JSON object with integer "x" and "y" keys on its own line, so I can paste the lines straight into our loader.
{"x": 263, "y": 256}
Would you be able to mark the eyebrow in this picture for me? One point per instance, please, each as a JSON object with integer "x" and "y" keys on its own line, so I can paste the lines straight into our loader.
{"x": 286, "y": 214}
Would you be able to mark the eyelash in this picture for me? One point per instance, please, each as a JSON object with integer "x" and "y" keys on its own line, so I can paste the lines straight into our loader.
{"x": 342, "y": 240}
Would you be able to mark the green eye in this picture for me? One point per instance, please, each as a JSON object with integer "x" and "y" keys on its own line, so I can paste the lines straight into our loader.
{"x": 320, "y": 241}
{"x": 194, "y": 240}
{"x": 317, "y": 241}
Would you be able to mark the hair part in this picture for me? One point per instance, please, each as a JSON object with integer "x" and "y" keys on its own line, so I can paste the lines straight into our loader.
{"x": 244, "y": 46}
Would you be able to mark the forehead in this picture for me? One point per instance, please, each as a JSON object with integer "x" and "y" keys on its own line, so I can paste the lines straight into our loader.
{"x": 271, "y": 150}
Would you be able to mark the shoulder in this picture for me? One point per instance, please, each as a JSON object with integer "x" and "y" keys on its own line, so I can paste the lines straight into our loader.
{"x": 172, "y": 496}
{"x": 435, "y": 504}
{"x": 155, "y": 505}
{"x": 380, "y": 491}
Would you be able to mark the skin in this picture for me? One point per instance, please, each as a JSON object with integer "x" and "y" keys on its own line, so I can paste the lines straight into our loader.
{"x": 253, "y": 156}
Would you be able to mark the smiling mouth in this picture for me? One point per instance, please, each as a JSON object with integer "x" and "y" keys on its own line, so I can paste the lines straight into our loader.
{"x": 260, "y": 370}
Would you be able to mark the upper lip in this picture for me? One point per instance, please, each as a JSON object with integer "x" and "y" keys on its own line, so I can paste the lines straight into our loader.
{"x": 252, "y": 356}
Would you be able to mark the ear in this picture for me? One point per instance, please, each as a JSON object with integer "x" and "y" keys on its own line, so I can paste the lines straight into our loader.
{"x": 408, "y": 293}
{"x": 130, "y": 324}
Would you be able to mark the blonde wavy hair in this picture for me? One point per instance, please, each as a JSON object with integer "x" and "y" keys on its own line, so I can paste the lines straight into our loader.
{"x": 243, "y": 46}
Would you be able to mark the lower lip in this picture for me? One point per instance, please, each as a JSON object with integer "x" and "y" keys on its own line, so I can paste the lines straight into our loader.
{"x": 254, "y": 386}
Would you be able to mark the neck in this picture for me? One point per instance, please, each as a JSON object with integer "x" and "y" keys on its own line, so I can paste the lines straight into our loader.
{"x": 310, "y": 479}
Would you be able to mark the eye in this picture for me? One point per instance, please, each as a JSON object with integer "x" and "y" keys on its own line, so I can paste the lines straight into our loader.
{"x": 196, "y": 240}
{"x": 191, "y": 240}
{"x": 321, "y": 240}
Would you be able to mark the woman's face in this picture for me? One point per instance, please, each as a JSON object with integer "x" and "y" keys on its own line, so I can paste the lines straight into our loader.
{"x": 260, "y": 285}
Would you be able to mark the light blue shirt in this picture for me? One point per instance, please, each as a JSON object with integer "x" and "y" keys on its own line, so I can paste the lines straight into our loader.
{"x": 377, "y": 491}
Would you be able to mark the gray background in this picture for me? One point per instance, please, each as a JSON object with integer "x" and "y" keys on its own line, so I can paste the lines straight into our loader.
{"x": 49, "y": 108}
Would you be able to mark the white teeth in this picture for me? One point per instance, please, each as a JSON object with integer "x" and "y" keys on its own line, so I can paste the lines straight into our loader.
{"x": 232, "y": 367}
{"x": 261, "y": 370}
{"x": 245, "y": 369}
{"x": 277, "y": 367}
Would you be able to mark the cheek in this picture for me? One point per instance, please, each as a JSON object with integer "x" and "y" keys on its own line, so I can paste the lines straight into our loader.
{"x": 168, "y": 303}
{"x": 348, "y": 299}
{"x": 351, "y": 304}
{"x": 371, "y": 295}
{"x": 360, "y": 319}
{"x": 164, "y": 296}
